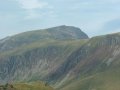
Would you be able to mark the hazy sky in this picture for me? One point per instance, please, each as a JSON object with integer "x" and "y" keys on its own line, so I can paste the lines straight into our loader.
{"x": 95, "y": 17}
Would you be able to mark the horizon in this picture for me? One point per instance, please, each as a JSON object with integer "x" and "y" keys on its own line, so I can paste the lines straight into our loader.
{"x": 92, "y": 17}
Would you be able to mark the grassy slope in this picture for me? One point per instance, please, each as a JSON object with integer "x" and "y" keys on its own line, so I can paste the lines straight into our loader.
{"x": 26, "y": 86}
{"x": 108, "y": 80}
{"x": 43, "y": 44}
{"x": 32, "y": 86}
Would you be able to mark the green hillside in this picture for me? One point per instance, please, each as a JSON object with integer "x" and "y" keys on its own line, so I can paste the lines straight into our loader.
{"x": 108, "y": 80}
{"x": 23, "y": 86}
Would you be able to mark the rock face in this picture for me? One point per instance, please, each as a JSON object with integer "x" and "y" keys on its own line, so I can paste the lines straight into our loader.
{"x": 57, "y": 56}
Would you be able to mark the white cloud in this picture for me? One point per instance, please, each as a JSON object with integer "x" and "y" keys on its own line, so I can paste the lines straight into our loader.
{"x": 30, "y": 7}
{"x": 32, "y": 4}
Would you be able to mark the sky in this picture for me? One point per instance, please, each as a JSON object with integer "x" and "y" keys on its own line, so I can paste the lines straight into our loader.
{"x": 94, "y": 17}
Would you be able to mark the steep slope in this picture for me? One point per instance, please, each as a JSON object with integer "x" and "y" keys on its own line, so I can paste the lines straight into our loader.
{"x": 58, "y": 33}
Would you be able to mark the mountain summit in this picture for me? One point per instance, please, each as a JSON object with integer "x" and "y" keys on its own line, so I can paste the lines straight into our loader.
{"x": 67, "y": 32}
{"x": 55, "y": 33}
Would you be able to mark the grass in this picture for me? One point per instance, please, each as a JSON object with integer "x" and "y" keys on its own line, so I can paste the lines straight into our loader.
{"x": 32, "y": 86}
{"x": 108, "y": 80}
{"x": 44, "y": 44}
{"x": 27, "y": 86}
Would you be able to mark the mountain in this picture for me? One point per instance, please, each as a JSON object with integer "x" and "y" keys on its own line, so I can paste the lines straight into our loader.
{"x": 65, "y": 60}
{"x": 32, "y": 56}
{"x": 56, "y": 33}
{"x": 95, "y": 66}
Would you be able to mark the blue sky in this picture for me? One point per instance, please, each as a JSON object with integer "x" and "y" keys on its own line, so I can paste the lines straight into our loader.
{"x": 95, "y": 17}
